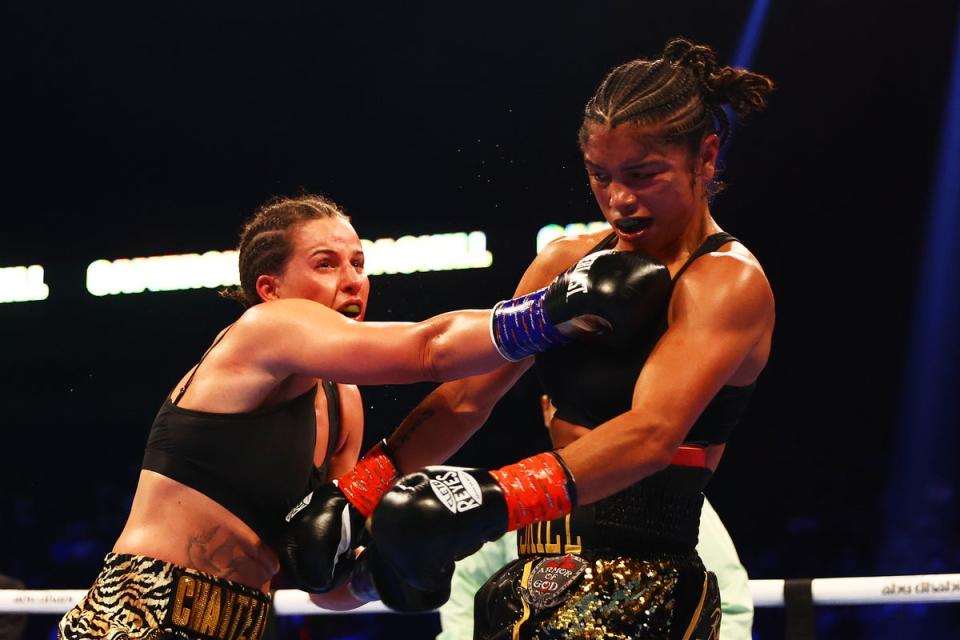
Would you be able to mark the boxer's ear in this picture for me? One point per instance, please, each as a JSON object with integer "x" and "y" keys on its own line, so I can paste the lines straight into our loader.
{"x": 268, "y": 287}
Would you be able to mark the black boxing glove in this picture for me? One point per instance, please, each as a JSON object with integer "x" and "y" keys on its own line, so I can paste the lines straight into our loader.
{"x": 317, "y": 543}
{"x": 374, "y": 579}
{"x": 616, "y": 293}
{"x": 431, "y": 518}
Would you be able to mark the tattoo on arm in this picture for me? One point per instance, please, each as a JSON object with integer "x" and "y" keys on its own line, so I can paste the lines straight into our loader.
{"x": 409, "y": 426}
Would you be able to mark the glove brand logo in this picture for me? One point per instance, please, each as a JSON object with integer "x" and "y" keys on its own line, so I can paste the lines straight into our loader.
{"x": 578, "y": 279}
{"x": 300, "y": 507}
{"x": 457, "y": 490}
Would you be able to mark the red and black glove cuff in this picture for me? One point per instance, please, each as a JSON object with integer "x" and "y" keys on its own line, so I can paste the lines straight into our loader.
{"x": 366, "y": 483}
{"x": 536, "y": 489}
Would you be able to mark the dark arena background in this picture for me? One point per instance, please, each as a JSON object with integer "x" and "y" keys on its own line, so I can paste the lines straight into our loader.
{"x": 155, "y": 129}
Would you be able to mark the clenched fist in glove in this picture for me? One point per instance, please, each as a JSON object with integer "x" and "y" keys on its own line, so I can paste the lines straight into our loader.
{"x": 435, "y": 516}
{"x": 317, "y": 546}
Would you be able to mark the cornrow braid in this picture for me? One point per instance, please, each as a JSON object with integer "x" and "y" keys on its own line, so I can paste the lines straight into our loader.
{"x": 266, "y": 240}
{"x": 682, "y": 94}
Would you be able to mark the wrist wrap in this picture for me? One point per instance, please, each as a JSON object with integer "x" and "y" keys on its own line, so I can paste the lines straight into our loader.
{"x": 520, "y": 327}
{"x": 366, "y": 483}
{"x": 536, "y": 489}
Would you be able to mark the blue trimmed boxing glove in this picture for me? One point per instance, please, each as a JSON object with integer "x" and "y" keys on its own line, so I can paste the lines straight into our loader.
{"x": 615, "y": 293}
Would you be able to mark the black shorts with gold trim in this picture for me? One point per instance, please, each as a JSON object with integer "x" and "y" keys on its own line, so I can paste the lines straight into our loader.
{"x": 139, "y": 597}
{"x": 600, "y": 595}
{"x": 623, "y": 567}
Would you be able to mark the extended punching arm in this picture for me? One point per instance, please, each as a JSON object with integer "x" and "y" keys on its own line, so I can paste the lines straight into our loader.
{"x": 433, "y": 517}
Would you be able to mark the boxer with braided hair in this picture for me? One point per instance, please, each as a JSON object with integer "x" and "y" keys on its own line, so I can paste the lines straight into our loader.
{"x": 609, "y": 522}
{"x": 236, "y": 477}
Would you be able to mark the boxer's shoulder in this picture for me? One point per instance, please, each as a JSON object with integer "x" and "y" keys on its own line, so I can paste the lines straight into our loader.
{"x": 563, "y": 252}
{"x": 556, "y": 257}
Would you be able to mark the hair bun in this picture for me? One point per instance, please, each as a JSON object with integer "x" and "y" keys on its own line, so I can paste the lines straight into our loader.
{"x": 743, "y": 90}
{"x": 698, "y": 58}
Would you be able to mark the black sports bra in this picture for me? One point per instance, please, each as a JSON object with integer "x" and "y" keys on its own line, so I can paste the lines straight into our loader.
{"x": 591, "y": 383}
{"x": 257, "y": 464}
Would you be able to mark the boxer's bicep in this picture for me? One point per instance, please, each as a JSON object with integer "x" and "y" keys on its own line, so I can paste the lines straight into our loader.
{"x": 716, "y": 320}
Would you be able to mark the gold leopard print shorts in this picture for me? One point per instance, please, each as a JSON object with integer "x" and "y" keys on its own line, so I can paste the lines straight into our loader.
{"x": 136, "y": 597}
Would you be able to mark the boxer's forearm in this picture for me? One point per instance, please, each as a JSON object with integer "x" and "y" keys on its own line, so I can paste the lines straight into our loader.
{"x": 446, "y": 418}
{"x": 434, "y": 431}
{"x": 617, "y": 454}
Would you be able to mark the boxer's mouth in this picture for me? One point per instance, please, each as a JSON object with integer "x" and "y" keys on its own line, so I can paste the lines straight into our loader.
{"x": 351, "y": 310}
{"x": 633, "y": 225}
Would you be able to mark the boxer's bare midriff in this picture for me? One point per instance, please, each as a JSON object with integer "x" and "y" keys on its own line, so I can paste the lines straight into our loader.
{"x": 170, "y": 521}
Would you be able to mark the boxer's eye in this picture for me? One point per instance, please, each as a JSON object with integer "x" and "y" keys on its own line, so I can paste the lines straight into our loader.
{"x": 599, "y": 177}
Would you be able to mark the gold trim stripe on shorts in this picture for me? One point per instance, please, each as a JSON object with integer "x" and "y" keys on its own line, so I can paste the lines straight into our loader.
{"x": 524, "y": 579}
{"x": 699, "y": 609}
